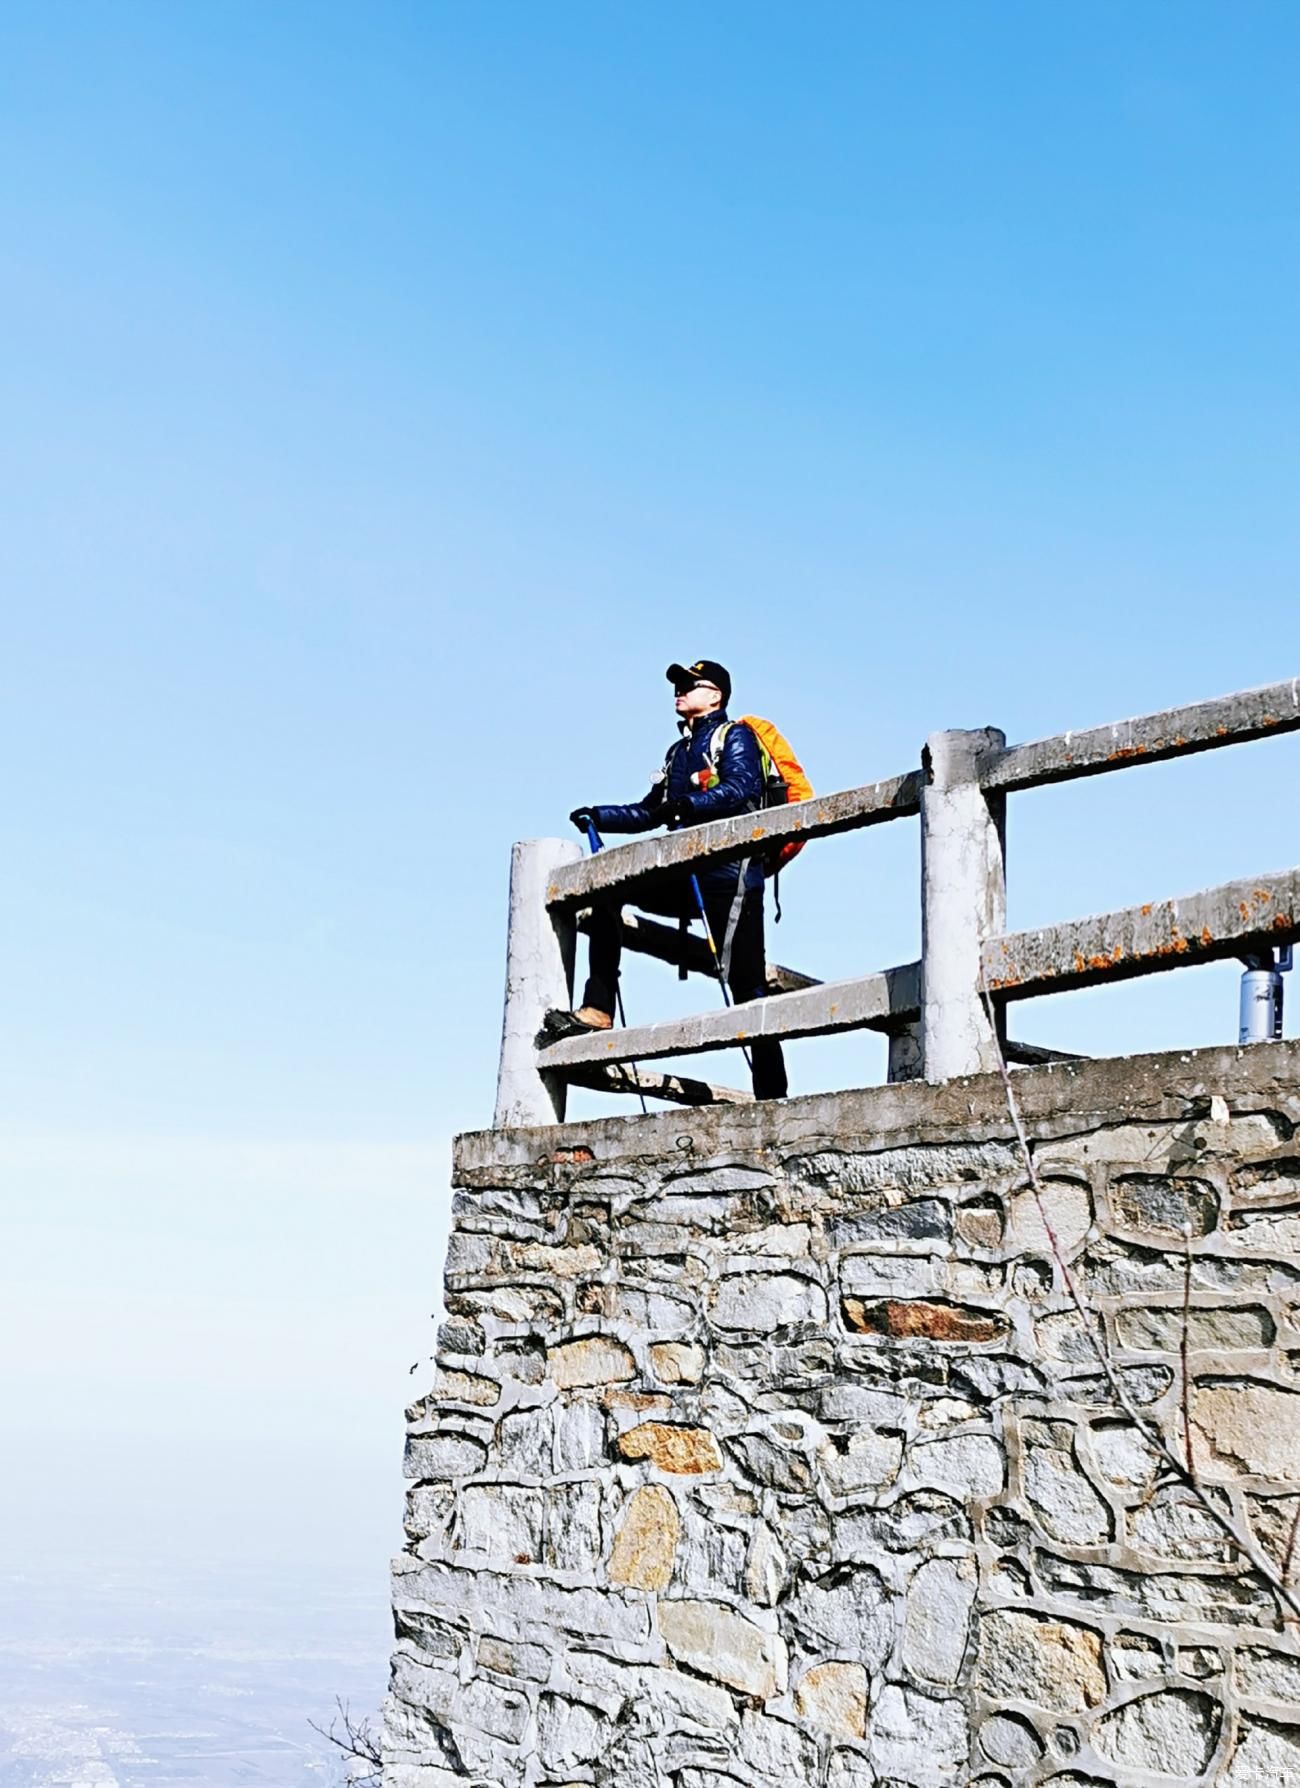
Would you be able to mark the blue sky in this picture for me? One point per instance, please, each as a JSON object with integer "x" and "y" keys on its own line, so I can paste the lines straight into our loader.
{"x": 389, "y": 394}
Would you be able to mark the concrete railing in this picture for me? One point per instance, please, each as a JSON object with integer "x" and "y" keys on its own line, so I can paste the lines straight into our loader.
{"x": 934, "y": 1012}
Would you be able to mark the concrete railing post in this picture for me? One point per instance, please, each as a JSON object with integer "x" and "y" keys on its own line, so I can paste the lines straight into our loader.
{"x": 539, "y": 975}
{"x": 905, "y": 1058}
{"x": 963, "y": 900}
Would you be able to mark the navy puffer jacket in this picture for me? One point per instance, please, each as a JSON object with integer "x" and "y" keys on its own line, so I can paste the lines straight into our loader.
{"x": 739, "y": 789}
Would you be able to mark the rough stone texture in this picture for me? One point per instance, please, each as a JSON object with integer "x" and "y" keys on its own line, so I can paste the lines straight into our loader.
{"x": 1055, "y": 1664}
{"x": 673, "y": 1363}
{"x": 834, "y": 1697}
{"x": 596, "y": 1360}
{"x": 1172, "y": 1732}
{"x": 715, "y": 1641}
{"x": 783, "y": 1460}
{"x": 685, "y": 1450}
{"x": 646, "y": 1543}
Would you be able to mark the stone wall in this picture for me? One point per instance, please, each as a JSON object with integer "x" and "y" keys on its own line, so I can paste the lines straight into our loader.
{"x": 767, "y": 1448}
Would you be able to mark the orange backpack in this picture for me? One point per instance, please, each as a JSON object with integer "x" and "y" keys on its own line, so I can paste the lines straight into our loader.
{"x": 784, "y": 777}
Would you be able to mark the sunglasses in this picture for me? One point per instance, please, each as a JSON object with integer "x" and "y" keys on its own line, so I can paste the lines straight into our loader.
{"x": 699, "y": 683}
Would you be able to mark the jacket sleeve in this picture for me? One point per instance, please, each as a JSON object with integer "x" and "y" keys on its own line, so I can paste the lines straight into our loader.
{"x": 637, "y": 816}
{"x": 739, "y": 788}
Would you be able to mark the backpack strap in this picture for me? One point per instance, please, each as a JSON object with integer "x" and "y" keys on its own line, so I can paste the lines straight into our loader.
{"x": 733, "y": 920}
{"x": 717, "y": 742}
{"x": 717, "y": 739}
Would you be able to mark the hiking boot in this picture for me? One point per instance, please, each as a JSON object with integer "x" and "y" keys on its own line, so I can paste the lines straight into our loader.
{"x": 558, "y": 1024}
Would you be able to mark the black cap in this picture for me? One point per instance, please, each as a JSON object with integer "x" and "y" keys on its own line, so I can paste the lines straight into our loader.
{"x": 704, "y": 670}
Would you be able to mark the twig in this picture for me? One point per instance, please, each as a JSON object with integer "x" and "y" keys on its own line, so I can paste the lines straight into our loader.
{"x": 358, "y": 1742}
{"x": 1289, "y": 1560}
{"x": 1185, "y": 1354}
{"x": 1150, "y": 1431}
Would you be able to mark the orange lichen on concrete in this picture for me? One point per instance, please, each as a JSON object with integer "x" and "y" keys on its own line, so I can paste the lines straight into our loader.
{"x": 1177, "y": 946}
{"x": 1101, "y": 960}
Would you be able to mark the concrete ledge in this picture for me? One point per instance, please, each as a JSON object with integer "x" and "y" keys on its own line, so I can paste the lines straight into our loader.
{"x": 1150, "y": 739}
{"x": 1058, "y": 1100}
{"x": 1144, "y": 940}
{"x": 882, "y": 1002}
{"x": 720, "y": 840}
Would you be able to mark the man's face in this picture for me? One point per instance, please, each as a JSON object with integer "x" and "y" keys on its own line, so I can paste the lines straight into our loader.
{"x": 696, "y": 698}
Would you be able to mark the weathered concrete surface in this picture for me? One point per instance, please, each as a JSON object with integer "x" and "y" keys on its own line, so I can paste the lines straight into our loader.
{"x": 768, "y": 1449}
{"x": 1143, "y": 940}
{"x": 963, "y": 901}
{"x": 1149, "y": 739}
{"x": 1119, "y": 1089}
{"x": 698, "y": 846}
{"x": 871, "y": 1002}
{"x": 539, "y": 974}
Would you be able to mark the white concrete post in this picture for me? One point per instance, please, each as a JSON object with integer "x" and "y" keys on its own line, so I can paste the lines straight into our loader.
{"x": 539, "y": 975}
{"x": 963, "y": 900}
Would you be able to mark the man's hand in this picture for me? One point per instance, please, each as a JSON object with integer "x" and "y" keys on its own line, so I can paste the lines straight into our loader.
{"x": 581, "y": 818}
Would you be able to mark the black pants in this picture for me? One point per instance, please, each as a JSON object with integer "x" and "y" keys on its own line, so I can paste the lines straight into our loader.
{"x": 747, "y": 979}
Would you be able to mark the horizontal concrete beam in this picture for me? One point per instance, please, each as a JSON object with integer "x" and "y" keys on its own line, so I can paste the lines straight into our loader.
{"x": 677, "y": 1089}
{"x": 695, "y": 847}
{"x": 665, "y": 943}
{"x": 1150, "y": 739}
{"x": 1038, "y": 1055}
{"x": 1144, "y": 940}
{"x": 881, "y": 1002}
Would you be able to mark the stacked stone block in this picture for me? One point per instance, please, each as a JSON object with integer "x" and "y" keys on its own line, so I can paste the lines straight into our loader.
{"x": 767, "y": 1446}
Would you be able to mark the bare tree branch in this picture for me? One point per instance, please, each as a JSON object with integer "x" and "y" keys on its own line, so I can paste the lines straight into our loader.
{"x": 358, "y": 1741}
{"x": 1184, "y": 1350}
{"x": 1151, "y": 1432}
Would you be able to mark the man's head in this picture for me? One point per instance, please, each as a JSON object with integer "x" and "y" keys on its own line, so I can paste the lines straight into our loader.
{"x": 701, "y": 688}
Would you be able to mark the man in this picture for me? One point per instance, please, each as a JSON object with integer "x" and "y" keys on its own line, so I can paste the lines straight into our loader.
{"x": 698, "y": 782}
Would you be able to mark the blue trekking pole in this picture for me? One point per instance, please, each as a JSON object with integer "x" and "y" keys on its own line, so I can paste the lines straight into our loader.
{"x": 597, "y": 843}
{"x": 708, "y": 932}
